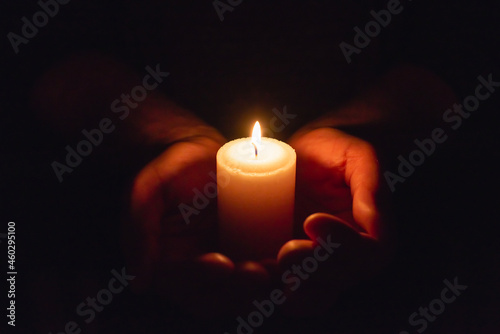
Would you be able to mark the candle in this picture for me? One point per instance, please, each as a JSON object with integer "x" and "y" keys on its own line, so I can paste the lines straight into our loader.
{"x": 256, "y": 193}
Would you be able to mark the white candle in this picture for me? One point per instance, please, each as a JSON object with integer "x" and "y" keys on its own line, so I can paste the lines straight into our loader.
{"x": 256, "y": 193}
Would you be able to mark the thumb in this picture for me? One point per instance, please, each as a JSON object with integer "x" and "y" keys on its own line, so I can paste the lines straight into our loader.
{"x": 321, "y": 225}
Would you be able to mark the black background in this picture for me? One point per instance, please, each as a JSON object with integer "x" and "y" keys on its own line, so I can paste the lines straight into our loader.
{"x": 262, "y": 56}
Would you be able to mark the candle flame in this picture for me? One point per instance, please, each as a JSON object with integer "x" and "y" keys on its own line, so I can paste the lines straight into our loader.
{"x": 256, "y": 137}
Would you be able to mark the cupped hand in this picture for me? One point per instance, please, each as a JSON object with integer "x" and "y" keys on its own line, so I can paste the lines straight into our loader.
{"x": 170, "y": 238}
{"x": 337, "y": 199}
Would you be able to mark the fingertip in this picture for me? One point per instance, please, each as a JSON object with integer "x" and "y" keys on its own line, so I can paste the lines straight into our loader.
{"x": 216, "y": 264}
{"x": 294, "y": 251}
{"x": 365, "y": 212}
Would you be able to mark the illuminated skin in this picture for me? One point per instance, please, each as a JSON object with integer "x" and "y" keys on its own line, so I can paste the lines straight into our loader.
{"x": 171, "y": 251}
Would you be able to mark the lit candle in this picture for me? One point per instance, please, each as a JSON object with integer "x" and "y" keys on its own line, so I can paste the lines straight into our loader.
{"x": 256, "y": 193}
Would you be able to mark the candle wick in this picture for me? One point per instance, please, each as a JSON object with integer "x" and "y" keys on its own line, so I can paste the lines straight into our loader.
{"x": 255, "y": 147}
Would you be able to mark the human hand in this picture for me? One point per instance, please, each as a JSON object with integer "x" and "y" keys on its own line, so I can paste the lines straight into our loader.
{"x": 336, "y": 198}
{"x": 173, "y": 259}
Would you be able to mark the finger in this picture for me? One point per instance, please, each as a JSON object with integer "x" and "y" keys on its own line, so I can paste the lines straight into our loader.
{"x": 140, "y": 245}
{"x": 294, "y": 251}
{"x": 356, "y": 249}
{"x": 310, "y": 284}
{"x": 362, "y": 176}
{"x": 321, "y": 225}
{"x": 148, "y": 205}
{"x": 305, "y": 263}
{"x": 215, "y": 266}
{"x": 155, "y": 196}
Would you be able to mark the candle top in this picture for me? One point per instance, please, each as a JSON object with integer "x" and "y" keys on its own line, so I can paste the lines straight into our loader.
{"x": 239, "y": 156}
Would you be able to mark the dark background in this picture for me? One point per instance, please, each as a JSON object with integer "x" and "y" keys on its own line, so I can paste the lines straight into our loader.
{"x": 262, "y": 56}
